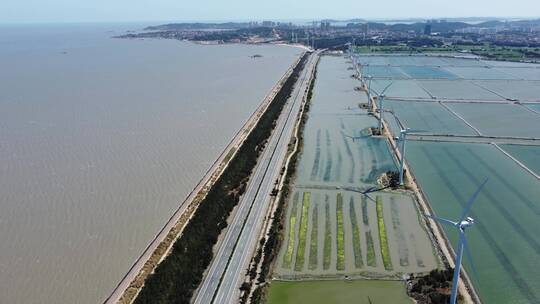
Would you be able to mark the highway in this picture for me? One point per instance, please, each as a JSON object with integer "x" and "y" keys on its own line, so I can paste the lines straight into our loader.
{"x": 228, "y": 269}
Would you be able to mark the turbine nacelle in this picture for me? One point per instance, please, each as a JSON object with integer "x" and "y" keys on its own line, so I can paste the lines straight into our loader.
{"x": 466, "y": 223}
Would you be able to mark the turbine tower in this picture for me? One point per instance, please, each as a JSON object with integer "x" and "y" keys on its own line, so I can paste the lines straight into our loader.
{"x": 369, "y": 77}
{"x": 381, "y": 111}
{"x": 380, "y": 98}
{"x": 461, "y": 225}
{"x": 402, "y": 139}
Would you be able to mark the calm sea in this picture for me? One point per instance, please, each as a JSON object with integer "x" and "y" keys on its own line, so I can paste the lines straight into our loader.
{"x": 101, "y": 139}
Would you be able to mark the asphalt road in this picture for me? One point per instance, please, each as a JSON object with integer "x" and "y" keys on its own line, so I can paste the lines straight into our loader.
{"x": 228, "y": 269}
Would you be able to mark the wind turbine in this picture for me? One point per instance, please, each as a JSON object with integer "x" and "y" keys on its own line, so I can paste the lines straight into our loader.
{"x": 461, "y": 225}
{"x": 401, "y": 139}
{"x": 369, "y": 77}
{"x": 381, "y": 110}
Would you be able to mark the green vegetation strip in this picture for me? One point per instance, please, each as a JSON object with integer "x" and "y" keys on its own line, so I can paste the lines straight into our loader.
{"x": 358, "y": 263}
{"x": 287, "y": 257}
{"x": 371, "y": 260}
{"x": 340, "y": 239}
{"x": 313, "y": 250}
{"x": 327, "y": 239}
{"x": 177, "y": 276}
{"x": 302, "y": 233}
{"x": 385, "y": 251}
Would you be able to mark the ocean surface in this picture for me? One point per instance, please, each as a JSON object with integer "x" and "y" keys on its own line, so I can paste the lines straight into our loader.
{"x": 100, "y": 141}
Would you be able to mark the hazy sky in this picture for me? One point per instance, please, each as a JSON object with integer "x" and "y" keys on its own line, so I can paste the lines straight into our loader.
{"x": 15, "y": 11}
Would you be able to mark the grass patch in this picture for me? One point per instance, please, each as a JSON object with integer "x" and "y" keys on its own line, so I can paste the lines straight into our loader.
{"x": 340, "y": 239}
{"x": 327, "y": 239}
{"x": 371, "y": 260}
{"x": 287, "y": 257}
{"x": 385, "y": 251}
{"x": 313, "y": 250}
{"x": 358, "y": 263}
{"x": 302, "y": 233}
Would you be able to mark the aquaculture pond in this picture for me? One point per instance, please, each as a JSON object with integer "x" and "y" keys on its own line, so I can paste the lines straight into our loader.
{"x": 431, "y": 117}
{"x": 331, "y": 233}
{"x": 331, "y": 229}
{"x": 480, "y": 73}
{"x": 523, "y": 90}
{"x": 338, "y": 292}
{"x": 427, "y": 72}
{"x": 504, "y": 241}
{"x": 532, "y": 73}
{"x": 534, "y": 107}
{"x": 500, "y": 119}
{"x": 527, "y": 155}
{"x": 399, "y": 88}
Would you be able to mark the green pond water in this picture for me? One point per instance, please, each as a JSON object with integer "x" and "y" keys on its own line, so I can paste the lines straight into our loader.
{"x": 528, "y": 155}
{"x": 431, "y": 117}
{"x": 535, "y": 106}
{"x": 338, "y": 292}
{"x": 500, "y": 119}
{"x": 505, "y": 242}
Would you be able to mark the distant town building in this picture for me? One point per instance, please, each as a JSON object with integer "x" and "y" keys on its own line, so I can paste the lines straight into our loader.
{"x": 365, "y": 29}
{"x": 325, "y": 25}
{"x": 427, "y": 29}
{"x": 268, "y": 23}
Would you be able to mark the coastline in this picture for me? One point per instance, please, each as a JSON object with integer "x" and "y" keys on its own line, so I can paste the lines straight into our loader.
{"x": 159, "y": 247}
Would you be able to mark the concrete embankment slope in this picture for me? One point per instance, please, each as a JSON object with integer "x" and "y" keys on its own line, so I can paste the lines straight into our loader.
{"x": 159, "y": 247}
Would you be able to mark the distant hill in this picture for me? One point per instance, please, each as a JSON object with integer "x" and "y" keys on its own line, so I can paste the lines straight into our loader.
{"x": 197, "y": 26}
{"x": 442, "y": 27}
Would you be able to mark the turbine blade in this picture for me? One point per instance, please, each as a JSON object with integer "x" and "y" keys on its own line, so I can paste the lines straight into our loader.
{"x": 369, "y": 190}
{"x": 373, "y": 189}
{"x": 469, "y": 256}
{"x": 471, "y": 201}
{"x": 416, "y": 131}
{"x": 386, "y": 88}
{"x": 371, "y": 198}
{"x": 442, "y": 220}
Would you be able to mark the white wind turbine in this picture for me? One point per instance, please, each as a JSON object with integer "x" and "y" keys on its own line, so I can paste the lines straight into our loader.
{"x": 380, "y": 99}
{"x": 461, "y": 225}
{"x": 401, "y": 140}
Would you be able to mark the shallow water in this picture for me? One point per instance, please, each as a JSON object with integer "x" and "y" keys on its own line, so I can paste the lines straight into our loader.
{"x": 331, "y": 164}
{"x": 429, "y": 117}
{"x": 503, "y": 241}
{"x": 500, "y": 119}
{"x": 338, "y": 292}
{"x": 527, "y": 155}
{"x": 100, "y": 140}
